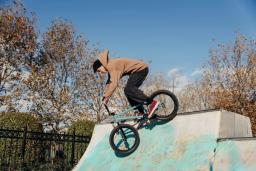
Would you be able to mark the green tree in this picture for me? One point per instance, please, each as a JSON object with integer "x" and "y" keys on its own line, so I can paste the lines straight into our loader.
{"x": 82, "y": 127}
{"x": 18, "y": 121}
{"x": 11, "y": 147}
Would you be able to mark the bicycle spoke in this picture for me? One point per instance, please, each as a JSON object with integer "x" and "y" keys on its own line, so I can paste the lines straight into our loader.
{"x": 167, "y": 105}
{"x": 124, "y": 143}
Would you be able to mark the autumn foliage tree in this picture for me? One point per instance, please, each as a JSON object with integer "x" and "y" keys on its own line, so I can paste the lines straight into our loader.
{"x": 52, "y": 85}
{"x": 17, "y": 45}
{"x": 231, "y": 75}
{"x": 91, "y": 89}
{"x": 195, "y": 96}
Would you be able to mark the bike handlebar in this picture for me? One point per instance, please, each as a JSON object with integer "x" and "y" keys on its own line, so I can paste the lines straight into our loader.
{"x": 107, "y": 109}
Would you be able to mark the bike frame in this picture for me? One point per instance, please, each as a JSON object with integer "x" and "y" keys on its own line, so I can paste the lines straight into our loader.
{"x": 119, "y": 116}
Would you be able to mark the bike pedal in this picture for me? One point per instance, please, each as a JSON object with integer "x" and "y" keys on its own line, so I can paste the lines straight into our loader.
{"x": 145, "y": 116}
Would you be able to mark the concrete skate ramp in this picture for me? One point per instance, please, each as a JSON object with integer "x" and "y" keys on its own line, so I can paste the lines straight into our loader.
{"x": 188, "y": 142}
{"x": 236, "y": 154}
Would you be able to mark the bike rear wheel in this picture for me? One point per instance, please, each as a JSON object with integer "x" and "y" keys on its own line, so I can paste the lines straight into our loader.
{"x": 168, "y": 106}
{"x": 124, "y": 139}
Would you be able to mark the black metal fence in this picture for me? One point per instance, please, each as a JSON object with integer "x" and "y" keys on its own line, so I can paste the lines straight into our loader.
{"x": 28, "y": 150}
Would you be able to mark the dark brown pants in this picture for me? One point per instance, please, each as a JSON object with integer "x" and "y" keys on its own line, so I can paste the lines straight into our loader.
{"x": 134, "y": 95}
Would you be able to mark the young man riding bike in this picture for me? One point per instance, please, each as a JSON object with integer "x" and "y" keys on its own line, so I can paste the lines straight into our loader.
{"x": 116, "y": 69}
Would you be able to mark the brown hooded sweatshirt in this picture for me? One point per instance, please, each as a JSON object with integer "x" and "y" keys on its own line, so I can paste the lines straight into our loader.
{"x": 117, "y": 68}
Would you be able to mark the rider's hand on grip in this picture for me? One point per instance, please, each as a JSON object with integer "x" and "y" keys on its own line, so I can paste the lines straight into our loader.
{"x": 105, "y": 100}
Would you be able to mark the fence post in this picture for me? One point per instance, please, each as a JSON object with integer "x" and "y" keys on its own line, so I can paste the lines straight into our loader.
{"x": 73, "y": 147}
{"x": 23, "y": 147}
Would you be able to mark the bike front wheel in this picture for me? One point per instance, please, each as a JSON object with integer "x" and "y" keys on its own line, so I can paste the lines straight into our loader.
{"x": 124, "y": 139}
{"x": 168, "y": 104}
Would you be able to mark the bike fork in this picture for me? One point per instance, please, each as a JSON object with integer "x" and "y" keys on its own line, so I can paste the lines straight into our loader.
{"x": 124, "y": 138}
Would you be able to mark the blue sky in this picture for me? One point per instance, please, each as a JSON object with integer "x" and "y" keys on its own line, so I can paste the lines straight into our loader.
{"x": 174, "y": 34}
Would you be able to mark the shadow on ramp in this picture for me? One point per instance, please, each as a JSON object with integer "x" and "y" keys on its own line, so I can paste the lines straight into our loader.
{"x": 150, "y": 124}
{"x": 145, "y": 124}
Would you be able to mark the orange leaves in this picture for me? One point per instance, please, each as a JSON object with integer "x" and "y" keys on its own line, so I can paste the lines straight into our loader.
{"x": 59, "y": 41}
{"x": 17, "y": 32}
{"x": 232, "y": 71}
{"x": 17, "y": 42}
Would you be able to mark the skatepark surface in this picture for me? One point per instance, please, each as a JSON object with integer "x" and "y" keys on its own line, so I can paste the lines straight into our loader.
{"x": 201, "y": 141}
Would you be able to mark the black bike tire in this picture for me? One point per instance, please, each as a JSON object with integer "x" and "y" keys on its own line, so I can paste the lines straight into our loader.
{"x": 175, "y": 101}
{"x": 134, "y": 147}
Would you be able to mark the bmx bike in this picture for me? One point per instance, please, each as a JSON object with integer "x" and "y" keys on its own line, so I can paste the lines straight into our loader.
{"x": 124, "y": 138}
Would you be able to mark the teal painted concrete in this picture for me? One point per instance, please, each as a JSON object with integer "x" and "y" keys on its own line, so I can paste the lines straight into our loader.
{"x": 158, "y": 150}
{"x": 230, "y": 158}
{"x": 187, "y": 143}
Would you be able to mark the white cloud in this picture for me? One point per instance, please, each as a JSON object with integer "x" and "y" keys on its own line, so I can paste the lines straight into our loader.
{"x": 173, "y": 71}
{"x": 180, "y": 79}
{"x": 197, "y": 72}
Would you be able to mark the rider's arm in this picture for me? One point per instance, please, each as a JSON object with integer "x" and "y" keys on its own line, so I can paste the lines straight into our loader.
{"x": 112, "y": 83}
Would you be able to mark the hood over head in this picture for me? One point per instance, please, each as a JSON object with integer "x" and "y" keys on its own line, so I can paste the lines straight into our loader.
{"x": 103, "y": 58}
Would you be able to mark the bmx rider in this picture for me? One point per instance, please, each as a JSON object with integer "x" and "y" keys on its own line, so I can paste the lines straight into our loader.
{"x": 116, "y": 69}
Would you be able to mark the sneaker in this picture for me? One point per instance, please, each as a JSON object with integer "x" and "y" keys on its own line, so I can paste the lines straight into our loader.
{"x": 152, "y": 107}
